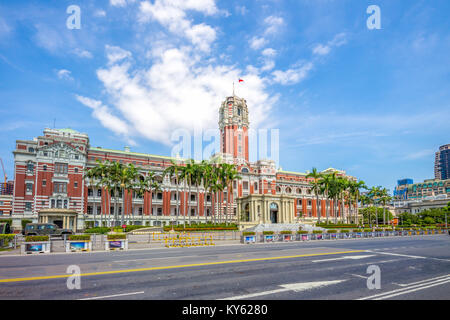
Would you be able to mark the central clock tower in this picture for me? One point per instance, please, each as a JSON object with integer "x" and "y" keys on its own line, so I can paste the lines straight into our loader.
{"x": 233, "y": 124}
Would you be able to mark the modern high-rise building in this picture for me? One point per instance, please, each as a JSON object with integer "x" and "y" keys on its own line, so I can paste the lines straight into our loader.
{"x": 442, "y": 163}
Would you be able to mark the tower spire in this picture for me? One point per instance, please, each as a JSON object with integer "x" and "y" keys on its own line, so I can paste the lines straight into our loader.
{"x": 233, "y": 88}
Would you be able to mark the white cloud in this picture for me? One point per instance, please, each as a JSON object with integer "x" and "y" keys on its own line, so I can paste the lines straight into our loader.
{"x": 64, "y": 74}
{"x": 257, "y": 43}
{"x": 321, "y": 50}
{"x": 338, "y": 40}
{"x": 118, "y": 3}
{"x": 106, "y": 118}
{"x": 293, "y": 75}
{"x": 115, "y": 54}
{"x": 269, "y": 52}
{"x": 273, "y": 24}
{"x": 100, "y": 13}
{"x": 82, "y": 53}
{"x": 172, "y": 15}
{"x": 178, "y": 91}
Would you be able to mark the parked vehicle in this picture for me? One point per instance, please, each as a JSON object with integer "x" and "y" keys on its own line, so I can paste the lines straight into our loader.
{"x": 38, "y": 229}
{"x": 5, "y": 228}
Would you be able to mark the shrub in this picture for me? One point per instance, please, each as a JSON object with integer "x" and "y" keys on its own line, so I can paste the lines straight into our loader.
{"x": 80, "y": 237}
{"x": 116, "y": 236}
{"x": 286, "y": 232}
{"x": 133, "y": 227}
{"x": 7, "y": 238}
{"x": 345, "y": 230}
{"x": 36, "y": 238}
{"x": 378, "y": 230}
{"x": 248, "y": 233}
{"x": 317, "y": 231}
{"x": 267, "y": 232}
{"x": 331, "y": 231}
{"x": 367, "y": 230}
{"x": 101, "y": 230}
{"x": 302, "y": 232}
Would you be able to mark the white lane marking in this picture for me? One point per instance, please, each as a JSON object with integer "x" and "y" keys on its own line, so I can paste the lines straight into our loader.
{"x": 113, "y": 295}
{"x": 414, "y": 290}
{"x": 344, "y": 258}
{"x": 409, "y": 256}
{"x": 408, "y": 289}
{"x": 417, "y": 282}
{"x": 357, "y": 275}
{"x": 297, "y": 287}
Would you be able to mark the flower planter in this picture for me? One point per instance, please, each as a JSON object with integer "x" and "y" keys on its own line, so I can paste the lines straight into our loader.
{"x": 36, "y": 247}
{"x": 78, "y": 245}
{"x": 116, "y": 244}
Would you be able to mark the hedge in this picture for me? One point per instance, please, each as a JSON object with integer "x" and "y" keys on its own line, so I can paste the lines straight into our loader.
{"x": 286, "y": 232}
{"x": 101, "y": 230}
{"x": 317, "y": 231}
{"x": 248, "y": 233}
{"x": 80, "y": 237}
{"x": 331, "y": 231}
{"x": 36, "y": 238}
{"x": 302, "y": 232}
{"x": 116, "y": 236}
{"x": 7, "y": 237}
{"x": 267, "y": 232}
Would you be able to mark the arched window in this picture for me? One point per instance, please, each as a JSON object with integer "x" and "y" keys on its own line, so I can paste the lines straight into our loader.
{"x": 244, "y": 170}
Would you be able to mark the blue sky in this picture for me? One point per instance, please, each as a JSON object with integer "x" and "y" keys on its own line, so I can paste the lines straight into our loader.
{"x": 372, "y": 102}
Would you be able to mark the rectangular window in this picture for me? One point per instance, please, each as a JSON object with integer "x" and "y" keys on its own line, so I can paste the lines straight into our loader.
{"x": 89, "y": 210}
{"x": 60, "y": 187}
{"x": 44, "y": 183}
{"x": 29, "y": 188}
{"x": 27, "y": 206}
{"x": 99, "y": 210}
{"x": 75, "y": 184}
{"x": 99, "y": 192}
{"x": 90, "y": 192}
{"x": 61, "y": 168}
{"x": 2, "y": 203}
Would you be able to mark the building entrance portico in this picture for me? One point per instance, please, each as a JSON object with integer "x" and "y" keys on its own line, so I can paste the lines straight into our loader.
{"x": 63, "y": 218}
{"x": 265, "y": 208}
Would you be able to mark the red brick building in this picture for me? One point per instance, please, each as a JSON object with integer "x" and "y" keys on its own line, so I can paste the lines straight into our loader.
{"x": 49, "y": 174}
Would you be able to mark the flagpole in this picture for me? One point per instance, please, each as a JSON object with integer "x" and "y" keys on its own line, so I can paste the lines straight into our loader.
{"x": 233, "y": 88}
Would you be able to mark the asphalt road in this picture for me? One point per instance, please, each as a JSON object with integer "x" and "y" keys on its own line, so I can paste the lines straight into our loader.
{"x": 416, "y": 267}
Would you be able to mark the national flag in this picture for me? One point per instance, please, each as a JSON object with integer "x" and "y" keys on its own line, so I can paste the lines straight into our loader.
{"x": 240, "y": 80}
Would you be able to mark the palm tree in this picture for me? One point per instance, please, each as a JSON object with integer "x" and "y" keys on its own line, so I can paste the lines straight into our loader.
{"x": 316, "y": 186}
{"x": 150, "y": 184}
{"x": 231, "y": 174}
{"x": 189, "y": 173}
{"x": 175, "y": 171}
{"x": 131, "y": 175}
{"x": 355, "y": 191}
{"x": 384, "y": 199}
{"x": 325, "y": 186}
{"x": 376, "y": 193}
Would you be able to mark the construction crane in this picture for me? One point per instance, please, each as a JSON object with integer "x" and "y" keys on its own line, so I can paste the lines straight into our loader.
{"x": 4, "y": 173}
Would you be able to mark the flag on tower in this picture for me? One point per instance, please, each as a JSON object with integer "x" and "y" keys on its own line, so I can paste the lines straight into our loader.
{"x": 240, "y": 80}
